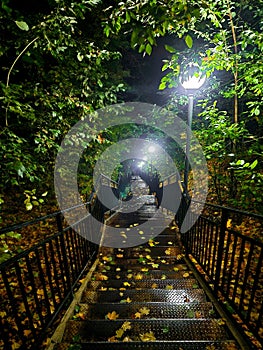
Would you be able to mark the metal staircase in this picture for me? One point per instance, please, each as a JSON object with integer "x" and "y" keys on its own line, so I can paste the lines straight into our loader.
{"x": 145, "y": 297}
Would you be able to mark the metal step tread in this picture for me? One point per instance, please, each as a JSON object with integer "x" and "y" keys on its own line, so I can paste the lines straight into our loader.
{"x": 146, "y": 295}
{"x": 156, "y": 310}
{"x": 162, "y": 329}
{"x": 179, "y": 283}
{"x": 156, "y": 345}
{"x": 132, "y": 274}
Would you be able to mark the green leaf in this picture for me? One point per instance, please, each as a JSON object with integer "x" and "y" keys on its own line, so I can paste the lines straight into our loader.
{"x": 22, "y": 25}
{"x": 189, "y": 41}
{"x": 148, "y": 49}
{"x": 254, "y": 164}
{"x": 169, "y": 48}
{"x": 29, "y": 206}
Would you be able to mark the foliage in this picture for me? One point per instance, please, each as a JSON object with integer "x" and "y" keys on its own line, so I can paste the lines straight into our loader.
{"x": 224, "y": 38}
{"x": 60, "y": 70}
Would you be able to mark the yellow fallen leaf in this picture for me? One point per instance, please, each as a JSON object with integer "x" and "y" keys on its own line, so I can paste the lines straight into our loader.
{"x": 126, "y": 325}
{"x": 168, "y": 251}
{"x": 126, "y": 284}
{"x": 119, "y": 333}
{"x": 144, "y": 311}
{"x": 139, "y": 276}
{"x": 154, "y": 285}
{"x": 27, "y": 332}
{"x": 186, "y": 274}
{"x": 112, "y": 339}
{"x": 141, "y": 232}
{"x": 137, "y": 315}
{"x": 148, "y": 257}
{"x": 144, "y": 269}
{"x": 149, "y": 336}
{"x": 169, "y": 287}
{"x": 112, "y": 315}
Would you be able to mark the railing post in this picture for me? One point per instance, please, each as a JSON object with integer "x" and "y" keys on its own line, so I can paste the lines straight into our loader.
{"x": 220, "y": 249}
{"x": 59, "y": 218}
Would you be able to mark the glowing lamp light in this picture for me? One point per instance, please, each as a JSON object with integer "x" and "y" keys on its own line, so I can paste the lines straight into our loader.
{"x": 193, "y": 79}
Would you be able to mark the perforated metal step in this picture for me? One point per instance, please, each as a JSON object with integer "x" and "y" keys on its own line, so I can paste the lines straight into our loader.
{"x": 101, "y": 330}
{"x": 156, "y": 345}
{"x": 163, "y": 251}
{"x": 156, "y": 310}
{"x": 135, "y": 273}
{"x": 145, "y": 295}
{"x": 152, "y": 284}
{"x": 164, "y": 262}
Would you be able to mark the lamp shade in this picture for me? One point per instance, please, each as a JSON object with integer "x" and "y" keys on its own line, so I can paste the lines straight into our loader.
{"x": 192, "y": 79}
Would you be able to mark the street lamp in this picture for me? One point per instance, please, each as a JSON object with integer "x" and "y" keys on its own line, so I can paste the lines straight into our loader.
{"x": 191, "y": 80}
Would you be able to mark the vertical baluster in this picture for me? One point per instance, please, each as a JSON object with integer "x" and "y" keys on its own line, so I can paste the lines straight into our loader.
{"x": 24, "y": 298}
{"x": 55, "y": 271}
{"x": 50, "y": 275}
{"x": 220, "y": 249}
{"x": 34, "y": 290}
{"x": 232, "y": 264}
{"x": 238, "y": 275}
{"x": 47, "y": 310}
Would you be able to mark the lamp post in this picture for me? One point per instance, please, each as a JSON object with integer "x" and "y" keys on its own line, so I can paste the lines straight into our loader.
{"x": 191, "y": 81}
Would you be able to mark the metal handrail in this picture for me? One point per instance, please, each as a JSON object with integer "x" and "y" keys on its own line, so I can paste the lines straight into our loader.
{"x": 39, "y": 282}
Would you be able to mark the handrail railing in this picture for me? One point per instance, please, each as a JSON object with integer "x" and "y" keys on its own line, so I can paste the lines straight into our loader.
{"x": 231, "y": 260}
{"x": 39, "y": 282}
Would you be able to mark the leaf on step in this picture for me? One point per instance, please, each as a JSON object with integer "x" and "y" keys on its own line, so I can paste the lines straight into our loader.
{"x": 155, "y": 266}
{"x": 112, "y": 339}
{"x": 190, "y": 314}
{"x": 112, "y": 315}
{"x": 168, "y": 251}
{"x": 169, "y": 287}
{"x": 165, "y": 330}
{"x": 139, "y": 276}
{"x": 144, "y": 311}
{"x": 126, "y": 325}
{"x": 154, "y": 286}
{"x": 144, "y": 269}
{"x": 195, "y": 286}
{"x": 149, "y": 336}
{"x": 119, "y": 333}
{"x": 118, "y": 269}
{"x": 79, "y": 315}
{"x": 147, "y": 250}
{"x": 126, "y": 339}
{"x": 170, "y": 243}
{"x": 198, "y": 314}
{"x": 103, "y": 289}
{"x": 148, "y": 257}
{"x": 101, "y": 277}
{"x": 221, "y": 322}
{"x": 126, "y": 284}
{"x": 129, "y": 276}
{"x": 117, "y": 277}
{"x": 137, "y": 315}
{"x": 141, "y": 232}
{"x": 163, "y": 277}
{"x": 27, "y": 332}
{"x": 186, "y": 274}
{"x": 119, "y": 255}
{"x": 128, "y": 300}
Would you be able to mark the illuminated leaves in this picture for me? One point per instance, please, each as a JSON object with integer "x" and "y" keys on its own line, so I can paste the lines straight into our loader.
{"x": 149, "y": 336}
{"x": 112, "y": 316}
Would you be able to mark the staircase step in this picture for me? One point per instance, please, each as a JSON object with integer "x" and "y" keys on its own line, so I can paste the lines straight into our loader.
{"x": 156, "y": 345}
{"x": 146, "y": 295}
{"x": 164, "y": 262}
{"x": 156, "y": 310}
{"x": 102, "y": 330}
{"x": 136, "y": 273}
{"x": 153, "y": 283}
{"x": 164, "y": 251}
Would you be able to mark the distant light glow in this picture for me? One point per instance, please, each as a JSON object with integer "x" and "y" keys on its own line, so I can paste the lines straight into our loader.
{"x": 151, "y": 149}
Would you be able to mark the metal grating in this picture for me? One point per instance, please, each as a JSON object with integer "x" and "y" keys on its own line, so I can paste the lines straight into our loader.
{"x": 157, "y": 345}
{"x": 101, "y": 330}
{"x": 156, "y": 310}
{"x": 180, "y": 283}
{"x": 145, "y": 295}
{"x": 151, "y": 274}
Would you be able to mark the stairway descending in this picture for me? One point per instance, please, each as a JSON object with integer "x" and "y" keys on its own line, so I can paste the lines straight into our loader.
{"x": 145, "y": 297}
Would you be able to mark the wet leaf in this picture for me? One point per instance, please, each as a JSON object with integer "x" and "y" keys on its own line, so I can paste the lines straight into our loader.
{"x": 137, "y": 315}
{"x": 149, "y": 336}
{"x": 112, "y": 315}
{"x": 144, "y": 311}
{"x": 119, "y": 333}
{"x": 126, "y": 325}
